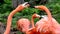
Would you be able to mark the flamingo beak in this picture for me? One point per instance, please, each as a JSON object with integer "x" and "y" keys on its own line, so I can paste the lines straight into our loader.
{"x": 36, "y": 6}
{"x": 39, "y": 7}
{"x": 38, "y": 16}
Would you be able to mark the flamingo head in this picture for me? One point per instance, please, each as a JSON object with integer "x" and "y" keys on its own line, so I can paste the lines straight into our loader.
{"x": 36, "y": 16}
{"x": 40, "y": 7}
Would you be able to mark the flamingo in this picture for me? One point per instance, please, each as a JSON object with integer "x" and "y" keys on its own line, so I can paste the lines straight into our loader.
{"x": 47, "y": 25}
{"x": 23, "y": 24}
{"x": 19, "y": 8}
{"x": 33, "y": 29}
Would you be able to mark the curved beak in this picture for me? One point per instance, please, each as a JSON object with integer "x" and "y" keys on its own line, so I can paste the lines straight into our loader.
{"x": 36, "y": 6}
{"x": 38, "y": 16}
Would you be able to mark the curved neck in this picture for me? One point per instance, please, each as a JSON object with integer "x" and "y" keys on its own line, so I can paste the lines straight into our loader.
{"x": 47, "y": 11}
{"x": 32, "y": 21}
{"x": 33, "y": 17}
{"x": 49, "y": 16}
{"x": 7, "y": 31}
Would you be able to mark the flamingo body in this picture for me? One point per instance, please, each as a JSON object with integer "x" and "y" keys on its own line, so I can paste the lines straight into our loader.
{"x": 44, "y": 25}
{"x": 23, "y": 24}
{"x": 47, "y": 25}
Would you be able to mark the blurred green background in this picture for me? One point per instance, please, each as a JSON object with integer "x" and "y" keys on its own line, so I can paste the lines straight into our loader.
{"x": 6, "y": 8}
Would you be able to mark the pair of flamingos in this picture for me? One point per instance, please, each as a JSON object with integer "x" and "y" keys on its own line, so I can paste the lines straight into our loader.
{"x": 47, "y": 25}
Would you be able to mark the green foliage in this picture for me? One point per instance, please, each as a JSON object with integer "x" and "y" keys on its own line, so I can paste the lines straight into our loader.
{"x": 6, "y": 8}
{"x": 29, "y": 11}
{"x": 55, "y": 6}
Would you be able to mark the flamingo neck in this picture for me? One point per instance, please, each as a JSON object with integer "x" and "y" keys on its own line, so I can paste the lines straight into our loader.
{"x": 33, "y": 17}
{"x": 32, "y": 21}
{"x": 49, "y": 17}
{"x": 7, "y": 31}
{"x": 47, "y": 11}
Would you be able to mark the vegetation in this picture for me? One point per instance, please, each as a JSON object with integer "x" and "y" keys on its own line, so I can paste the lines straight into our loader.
{"x": 6, "y": 8}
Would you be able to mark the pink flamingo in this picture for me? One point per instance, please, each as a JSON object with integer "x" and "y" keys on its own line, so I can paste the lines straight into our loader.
{"x": 19, "y": 8}
{"x": 33, "y": 29}
{"x": 24, "y": 24}
{"x": 47, "y": 25}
